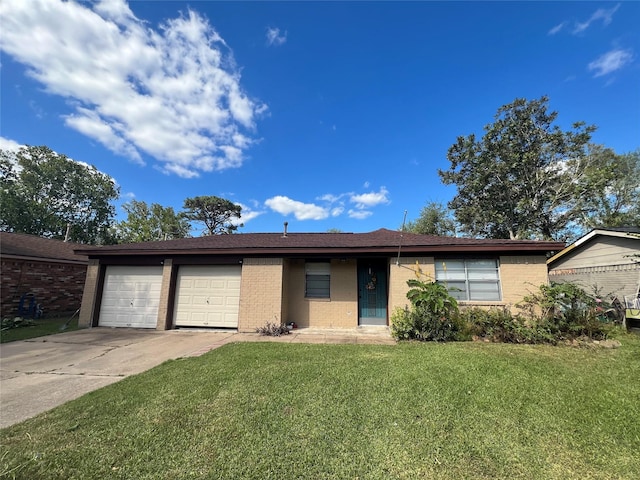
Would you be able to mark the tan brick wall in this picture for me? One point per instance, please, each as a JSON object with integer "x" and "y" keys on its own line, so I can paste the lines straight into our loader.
{"x": 399, "y": 274}
{"x": 89, "y": 297}
{"x": 340, "y": 311}
{"x": 520, "y": 276}
{"x": 165, "y": 315}
{"x": 260, "y": 293}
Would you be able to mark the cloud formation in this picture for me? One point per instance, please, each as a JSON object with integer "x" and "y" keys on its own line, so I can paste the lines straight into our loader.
{"x": 172, "y": 92}
{"x": 610, "y": 62}
{"x": 334, "y": 205}
{"x": 275, "y": 38}
{"x": 302, "y": 211}
{"x": 601, "y": 14}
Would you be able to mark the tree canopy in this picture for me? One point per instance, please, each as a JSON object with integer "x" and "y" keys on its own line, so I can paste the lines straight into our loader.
{"x": 147, "y": 223}
{"x": 434, "y": 219}
{"x": 517, "y": 181}
{"x": 610, "y": 189}
{"x": 218, "y": 215}
{"x": 42, "y": 192}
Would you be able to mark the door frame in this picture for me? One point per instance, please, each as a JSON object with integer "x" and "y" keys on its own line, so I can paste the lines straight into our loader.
{"x": 376, "y": 271}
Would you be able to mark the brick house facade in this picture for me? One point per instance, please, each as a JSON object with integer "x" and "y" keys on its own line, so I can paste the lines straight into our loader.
{"x": 40, "y": 271}
{"x": 320, "y": 280}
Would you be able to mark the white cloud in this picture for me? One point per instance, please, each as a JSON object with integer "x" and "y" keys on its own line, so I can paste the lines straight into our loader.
{"x": 371, "y": 199}
{"x": 601, "y": 14}
{"x": 274, "y": 38}
{"x": 557, "y": 28}
{"x": 359, "y": 214}
{"x": 247, "y": 214}
{"x": 337, "y": 211}
{"x": 302, "y": 211}
{"x": 610, "y": 62}
{"x": 8, "y": 144}
{"x": 173, "y": 92}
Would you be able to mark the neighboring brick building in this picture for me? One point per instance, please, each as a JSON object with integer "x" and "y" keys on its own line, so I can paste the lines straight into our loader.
{"x": 325, "y": 280}
{"x": 40, "y": 271}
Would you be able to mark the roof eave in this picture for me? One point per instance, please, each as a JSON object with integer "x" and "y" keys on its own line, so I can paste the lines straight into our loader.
{"x": 331, "y": 251}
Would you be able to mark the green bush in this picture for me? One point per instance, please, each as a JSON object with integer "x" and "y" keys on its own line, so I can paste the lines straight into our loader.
{"x": 500, "y": 325}
{"x": 566, "y": 311}
{"x": 432, "y": 316}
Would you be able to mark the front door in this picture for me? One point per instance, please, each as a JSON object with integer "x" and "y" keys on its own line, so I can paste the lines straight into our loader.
{"x": 372, "y": 292}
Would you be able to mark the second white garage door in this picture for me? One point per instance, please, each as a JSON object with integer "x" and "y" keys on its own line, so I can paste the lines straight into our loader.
{"x": 208, "y": 296}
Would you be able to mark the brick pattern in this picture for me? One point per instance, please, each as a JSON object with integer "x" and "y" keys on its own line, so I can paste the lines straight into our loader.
{"x": 88, "y": 308}
{"x": 406, "y": 270}
{"x": 56, "y": 286}
{"x": 260, "y": 293}
{"x": 520, "y": 275}
{"x": 339, "y": 311}
{"x": 165, "y": 313}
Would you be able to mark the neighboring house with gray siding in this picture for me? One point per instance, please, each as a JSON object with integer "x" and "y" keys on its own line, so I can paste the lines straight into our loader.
{"x": 602, "y": 259}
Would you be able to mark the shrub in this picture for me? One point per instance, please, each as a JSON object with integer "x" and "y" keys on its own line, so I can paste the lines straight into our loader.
{"x": 432, "y": 316}
{"x": 566, "y": 311}
{"x": 500, "y": 325}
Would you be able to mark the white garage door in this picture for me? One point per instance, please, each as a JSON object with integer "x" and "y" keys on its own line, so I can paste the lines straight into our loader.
{"x": 130, "y": 297}
{"x": 208, "y": 296}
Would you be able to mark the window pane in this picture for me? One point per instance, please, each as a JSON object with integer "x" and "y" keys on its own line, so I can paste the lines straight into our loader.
{"x": 484, "y": 290}
{"x": 318, "y": 286}
{"x": 457, "y": 290}
{"x": 450, "y": 270}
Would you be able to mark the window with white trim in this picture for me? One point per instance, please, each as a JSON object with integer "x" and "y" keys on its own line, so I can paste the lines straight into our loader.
{"x": 470, "y": 279}
{"x": 317, "y": 279}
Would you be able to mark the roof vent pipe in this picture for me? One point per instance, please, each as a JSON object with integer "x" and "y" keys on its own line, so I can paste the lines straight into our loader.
{"x": 286, "y": 224}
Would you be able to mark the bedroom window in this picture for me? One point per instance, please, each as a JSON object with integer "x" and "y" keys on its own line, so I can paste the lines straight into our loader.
{"x": 470, "y": 279}
{"x": 317, "y": 279}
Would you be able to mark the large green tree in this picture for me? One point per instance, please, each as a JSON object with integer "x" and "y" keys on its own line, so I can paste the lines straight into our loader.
{"x": 435, "y": 219}
{"x": 218, "y": 215}
{"x": 147, "y": 223}
{"x": 45, "y": 193}
{"x": 609, "y": 189}
{"x": 516, "y": 182}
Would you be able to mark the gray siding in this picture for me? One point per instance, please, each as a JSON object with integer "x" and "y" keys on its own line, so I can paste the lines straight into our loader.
{"x": 602, "y": 263}
{"x": 617, "y": 280}
{"x": 600, "y": 251}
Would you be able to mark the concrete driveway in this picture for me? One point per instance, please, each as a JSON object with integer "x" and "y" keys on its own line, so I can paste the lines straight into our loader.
{"x": 39, "y": 374}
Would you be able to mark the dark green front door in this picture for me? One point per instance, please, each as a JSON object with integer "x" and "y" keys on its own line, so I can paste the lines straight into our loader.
{"x": 372, "y": 293}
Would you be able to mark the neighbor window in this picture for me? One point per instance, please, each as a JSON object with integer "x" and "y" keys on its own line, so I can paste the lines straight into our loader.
{"x": 317, "y": 279}
{"x": 470, "y": 279}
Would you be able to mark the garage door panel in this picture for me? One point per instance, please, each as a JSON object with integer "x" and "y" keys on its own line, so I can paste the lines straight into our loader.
{"x": 208, "y": 296}
{"x": 131, "y": 297}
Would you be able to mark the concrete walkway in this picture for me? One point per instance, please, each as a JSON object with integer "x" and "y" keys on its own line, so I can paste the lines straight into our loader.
{"x": 42, "y": 373}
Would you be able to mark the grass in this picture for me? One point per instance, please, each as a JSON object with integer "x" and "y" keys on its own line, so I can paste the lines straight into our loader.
{"x": 295, "y": 411}
{"x": 42, "y": 327}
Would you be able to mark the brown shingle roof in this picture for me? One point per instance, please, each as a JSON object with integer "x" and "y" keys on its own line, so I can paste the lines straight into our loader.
{"x": 19, "y": 245}
{"x": 379, "y": 241}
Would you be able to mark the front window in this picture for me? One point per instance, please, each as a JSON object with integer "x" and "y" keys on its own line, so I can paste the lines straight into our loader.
{"x": 317, "y": 279}
{"x": 471, "y": 279}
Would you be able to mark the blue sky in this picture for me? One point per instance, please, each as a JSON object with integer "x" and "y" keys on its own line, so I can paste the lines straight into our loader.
{"x": 322, "y": 114}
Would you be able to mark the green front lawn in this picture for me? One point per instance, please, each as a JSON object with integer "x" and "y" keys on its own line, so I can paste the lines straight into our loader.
{"x": 42, "y": 327}
{"x": 287, "y": 411}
